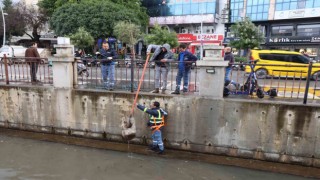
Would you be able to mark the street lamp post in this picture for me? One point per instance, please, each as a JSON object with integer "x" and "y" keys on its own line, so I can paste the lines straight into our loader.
{"x": 4, "y": 26}
{"x": 201, "y": 45}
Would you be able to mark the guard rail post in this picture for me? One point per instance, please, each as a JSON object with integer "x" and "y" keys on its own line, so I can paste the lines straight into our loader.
{"x": 6, "y": 68}
{"x": 305, "y": 98}
{"x": 212, "y": 72}
{"x": 62, "y": 64}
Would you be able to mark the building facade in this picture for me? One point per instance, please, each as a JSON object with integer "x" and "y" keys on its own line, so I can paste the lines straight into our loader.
{"x": 287, "y": 24}
{"x": 196, "y": 21}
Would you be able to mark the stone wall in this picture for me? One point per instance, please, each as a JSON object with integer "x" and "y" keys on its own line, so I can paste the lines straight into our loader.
{"x": 244, "y": 128}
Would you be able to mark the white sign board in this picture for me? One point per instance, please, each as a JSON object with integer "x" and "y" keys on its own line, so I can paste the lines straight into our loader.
{"x": 298, "y": 13}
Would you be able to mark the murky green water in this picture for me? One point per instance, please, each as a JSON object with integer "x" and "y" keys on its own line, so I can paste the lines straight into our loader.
{"x": 25, "y": 159}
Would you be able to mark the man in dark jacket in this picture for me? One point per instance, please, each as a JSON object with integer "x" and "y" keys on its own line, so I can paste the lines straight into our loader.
{"x": 161, "y": 56}
{"x": 33, "y": 58}
{"x": 155, "y": 122}
{"x": 107, "y": 56}
{"x": 185, "y": 59}
{"x": 228, "y": 56}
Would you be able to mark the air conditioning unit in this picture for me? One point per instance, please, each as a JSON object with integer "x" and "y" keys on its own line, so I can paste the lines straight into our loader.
{"x": 197, "y": 32}
{"x": 184, "y": 31}
{"x": 210, "y": 30}
{"x": 230, "y": 34}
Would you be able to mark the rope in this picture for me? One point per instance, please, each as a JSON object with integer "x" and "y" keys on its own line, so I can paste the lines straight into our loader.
{"x": 139, "y": 86}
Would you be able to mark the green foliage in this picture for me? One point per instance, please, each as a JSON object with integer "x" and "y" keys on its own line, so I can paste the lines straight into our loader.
{"x": 82, "y": 39}
{"x": 98, "y": 17}
{"x": 48, "y": 6}
{"x": 239, "y": 59}
{"x": 159, "y": 35}
{"x": 248, "y": 34}
{"x": 7, "y": 4}
{"x": 127, "y": 32}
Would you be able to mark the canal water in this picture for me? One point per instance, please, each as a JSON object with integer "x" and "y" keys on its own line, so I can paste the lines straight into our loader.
{"x": 26, "y": 159}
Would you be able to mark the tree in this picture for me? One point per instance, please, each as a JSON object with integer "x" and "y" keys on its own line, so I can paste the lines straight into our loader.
{"x": 35, "y": 18}
{"x": 15, "y": 25}
{"x": 128, "y": 33}
{"x": 7, "y": 4}
{"x": 82, "y": 39}
{"x": 97, "y": 18}
{"x": 161, "y": 35}
{"x": 248, "y": 34}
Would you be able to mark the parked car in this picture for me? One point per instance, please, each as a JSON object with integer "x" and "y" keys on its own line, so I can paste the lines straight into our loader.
{"x": 6, "y": 50}
{"x": 286, "y": 60}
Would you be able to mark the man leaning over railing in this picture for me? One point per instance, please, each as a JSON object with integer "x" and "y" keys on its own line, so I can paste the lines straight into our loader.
{"x": 162, "y": 55}
{"x": 185, "y": 59}
{"x": 33, "y": 59}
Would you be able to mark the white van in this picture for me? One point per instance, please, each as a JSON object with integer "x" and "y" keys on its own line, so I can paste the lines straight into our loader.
{"x": 6, "y": 50}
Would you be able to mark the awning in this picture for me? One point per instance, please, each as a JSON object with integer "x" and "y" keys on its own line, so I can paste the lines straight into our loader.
{"x": 185, "y": 41}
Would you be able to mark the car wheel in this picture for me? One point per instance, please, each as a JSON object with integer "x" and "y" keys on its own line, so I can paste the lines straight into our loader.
{"x": 261, "y": 73}
{"x": 316, "y": 76}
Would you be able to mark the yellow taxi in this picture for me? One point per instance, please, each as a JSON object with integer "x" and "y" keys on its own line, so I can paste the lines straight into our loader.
{"x": 279, "y": 63}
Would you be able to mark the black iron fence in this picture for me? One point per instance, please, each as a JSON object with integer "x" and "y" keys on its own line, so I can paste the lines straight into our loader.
{"x": 126, "y": 69}
{"x": 288, "y": 80}
{"x": 18, "y": 70}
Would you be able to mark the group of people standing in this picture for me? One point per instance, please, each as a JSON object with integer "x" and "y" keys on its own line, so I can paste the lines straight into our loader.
{"x": 162, "y": 57}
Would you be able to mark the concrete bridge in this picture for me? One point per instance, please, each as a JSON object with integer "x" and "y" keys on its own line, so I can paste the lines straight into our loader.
{"x": 266, "y": 130}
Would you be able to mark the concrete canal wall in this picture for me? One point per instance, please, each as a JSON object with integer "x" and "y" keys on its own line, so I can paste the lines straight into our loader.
{"x": 265, "y": 130}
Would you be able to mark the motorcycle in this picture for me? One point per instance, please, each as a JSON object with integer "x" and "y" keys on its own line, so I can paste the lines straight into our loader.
{"x": 82, "y": 70}
{"x": 237, "y": 67}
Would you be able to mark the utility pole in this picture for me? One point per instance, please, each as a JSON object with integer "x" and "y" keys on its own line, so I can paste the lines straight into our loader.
{"x": 201, "y": 45}
{"x": 4, "y": 27}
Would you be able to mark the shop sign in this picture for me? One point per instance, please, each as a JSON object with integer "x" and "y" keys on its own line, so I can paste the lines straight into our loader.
{"x": 186, "y": 37}
{"x": 209, "y": 37}
{"x": 298, "y": 13}
{"x": 279, "y": 40}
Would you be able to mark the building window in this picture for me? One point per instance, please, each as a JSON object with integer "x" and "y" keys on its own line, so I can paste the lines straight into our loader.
{"x": 180, "y": 7}
{"x": 283, "y": 5}
{"x": 282, "y": 30}
{"x": 308, "y": 30}
{"x": 236, "y": 8}
{"x": 257, "y": 10}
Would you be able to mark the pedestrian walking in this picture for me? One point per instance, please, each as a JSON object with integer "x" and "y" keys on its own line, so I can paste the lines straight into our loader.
{"x": 107, "y": 57}
{"x": 33, "y": 59}
{"x": 185, "y": 59}
{"x": 156, "y": 123}
{"x": 162, "y": 56}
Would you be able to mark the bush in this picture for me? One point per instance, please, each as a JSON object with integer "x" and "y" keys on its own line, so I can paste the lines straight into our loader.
{"x": 240, "y": 59}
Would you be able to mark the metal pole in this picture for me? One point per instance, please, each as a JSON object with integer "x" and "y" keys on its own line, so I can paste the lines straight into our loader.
{"x": 4, "y": 27}
{"x": 307, "y": 85}
{"x": 201, "y": 45}
{"x": 6, "y": 68}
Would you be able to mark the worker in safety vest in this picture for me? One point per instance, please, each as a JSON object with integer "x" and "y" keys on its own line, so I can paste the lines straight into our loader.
{"x": 155, "y": 122}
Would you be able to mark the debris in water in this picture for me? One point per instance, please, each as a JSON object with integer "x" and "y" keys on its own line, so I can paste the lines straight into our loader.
{"x": 128, "y": 128}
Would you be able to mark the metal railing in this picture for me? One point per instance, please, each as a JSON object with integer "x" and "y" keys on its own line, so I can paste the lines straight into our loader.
{"x": 17, "y": 70}
{"x": 290, "y": 81}
{"x": 123, "y": 80}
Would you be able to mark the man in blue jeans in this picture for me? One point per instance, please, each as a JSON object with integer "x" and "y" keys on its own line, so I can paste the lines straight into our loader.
{"x": 155, "y": 122}
{"x": 228, "y": 56}
{"x": 107, "y": 65}
{"x": 185, "y": 59}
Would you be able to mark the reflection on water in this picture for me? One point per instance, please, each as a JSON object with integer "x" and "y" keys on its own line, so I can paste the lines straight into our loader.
{"x": 25, "y": 159}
